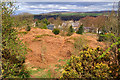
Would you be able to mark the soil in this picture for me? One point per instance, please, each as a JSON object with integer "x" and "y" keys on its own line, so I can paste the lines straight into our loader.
{"x": 48, "y": 50}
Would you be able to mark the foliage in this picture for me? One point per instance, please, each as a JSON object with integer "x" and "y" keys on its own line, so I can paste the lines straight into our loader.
{"x": 46, "y": 21}
{"x": 22, "y": 19}
{"x": 56, "y": 31}
{"x": 13, "y": 50}
{"x": 111, "y": 23}
{"x": 28, "y": 28}
{"x": 44, "y": 26}
{"x": 42, "y": 23}
{"x": 36, "y": 24}
{"x": 85, "y": 65}
{"x": 80, "y": 30}
{"x": 115, "y": 56}
{"x": 70, "y": 31}
{"x": 103, "y": 37}
{"x": 40, "y": 36}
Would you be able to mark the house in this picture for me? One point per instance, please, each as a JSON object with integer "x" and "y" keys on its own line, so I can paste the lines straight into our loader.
{"x": 51, "y": 26}
{"x": 90, "y": 29}
{"x": 86, "y": 29}
{"x": 60, "y": 27}
{"x": 64, "y": 24}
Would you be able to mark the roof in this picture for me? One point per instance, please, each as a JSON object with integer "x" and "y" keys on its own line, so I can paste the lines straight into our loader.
{"x": 51, "y": 25}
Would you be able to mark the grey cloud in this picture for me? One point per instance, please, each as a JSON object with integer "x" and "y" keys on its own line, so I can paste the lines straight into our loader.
{"x": 67, "y": 0}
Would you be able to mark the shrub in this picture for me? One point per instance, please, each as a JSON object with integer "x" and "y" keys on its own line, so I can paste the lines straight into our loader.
{"x": 86, "y": 65}
{"x": 36, "y": 24}
{"x": 28, "y": 28}
{"x": 70, "y": 31}
{"x": 114, "y": 50}
{"x": 106, "y": 37}
{"x": 46, "y": 21}
{"x": 80, "y": 30}
{"x": 13, "y": 50}
{"x": 56, "y": 31}
{"x": 44, "y": 26}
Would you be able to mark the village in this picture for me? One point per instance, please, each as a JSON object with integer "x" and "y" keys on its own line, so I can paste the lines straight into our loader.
{"x": 75, "y": 25}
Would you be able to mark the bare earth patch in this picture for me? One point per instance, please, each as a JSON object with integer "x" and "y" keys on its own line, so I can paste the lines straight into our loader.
{"x": 48, "y": 50}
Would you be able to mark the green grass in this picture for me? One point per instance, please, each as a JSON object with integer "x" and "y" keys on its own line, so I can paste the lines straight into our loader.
{"x": 40, "y": 36}
{"x": 29, "y": 49}
{"x": 77, "y": 14}
{"x": 25, "y": 32}
{"x": 40, "y": 73}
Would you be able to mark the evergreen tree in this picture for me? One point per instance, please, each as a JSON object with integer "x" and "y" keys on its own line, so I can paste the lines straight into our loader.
{"x": 70, "y": 31}
{"x": 46, "y": 21}
{"x": 28, "y": 28}
{"x": 80, "y": 30}
{"x": 36, "y": 24}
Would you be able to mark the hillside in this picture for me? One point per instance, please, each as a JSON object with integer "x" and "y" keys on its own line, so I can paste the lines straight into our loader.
{"x": 70, "y": 15}
{"x": 46, "y": 49}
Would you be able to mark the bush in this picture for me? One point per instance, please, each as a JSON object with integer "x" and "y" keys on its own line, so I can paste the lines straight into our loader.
{"x": 70, "y": 31}
{"x": 44, "y": 26}
{"x": 56, "y": 31}
{"x": 36, "y": 24}
{"x": 80, "y": 30}
{"x": 13, "y": 50}
{"x": 28, "y": 28}
{"x": 46, "y": 21}
{"x": 106, "y": 37}
{"x": 86, "y": 65}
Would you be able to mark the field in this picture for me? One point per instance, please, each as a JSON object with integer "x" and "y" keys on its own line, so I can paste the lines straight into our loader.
{"x": 76, "y": 14}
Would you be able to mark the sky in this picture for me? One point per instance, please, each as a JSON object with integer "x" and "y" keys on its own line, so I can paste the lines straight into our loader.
{"x": 44, "y": 6}
{"x": 68, "y": 0}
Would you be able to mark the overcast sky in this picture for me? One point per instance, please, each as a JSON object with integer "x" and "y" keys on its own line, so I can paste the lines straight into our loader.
{"x": 68, "y": 0}
{"x": 46, "y": 7}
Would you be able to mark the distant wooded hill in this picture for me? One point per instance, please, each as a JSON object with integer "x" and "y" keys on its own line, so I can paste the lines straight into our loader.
{"x": 70, "y": 15}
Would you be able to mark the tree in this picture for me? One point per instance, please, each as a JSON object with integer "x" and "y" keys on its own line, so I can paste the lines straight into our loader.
{"x": 70, "y": 31}
{"x": 23, "y": 19}
{"x": 56, "y": 31}
{"x": 57, "y": 22}
{"x": 80, "y": 30}
{"x": 28, "y": 28}
{"x": 46, "y": 21}
{"x": 44, "y": 26}
{"x": 13, "y": 50}
{"x": 36, "y": 24}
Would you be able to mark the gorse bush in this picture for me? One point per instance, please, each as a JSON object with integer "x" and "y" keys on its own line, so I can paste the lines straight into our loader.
{"x": 86, "y": 65}
{"x": 56, "y": 31}
{"x": 13, "y": 50}
{"x": 114, "y": 50}
{"x": 106, "y": 37}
